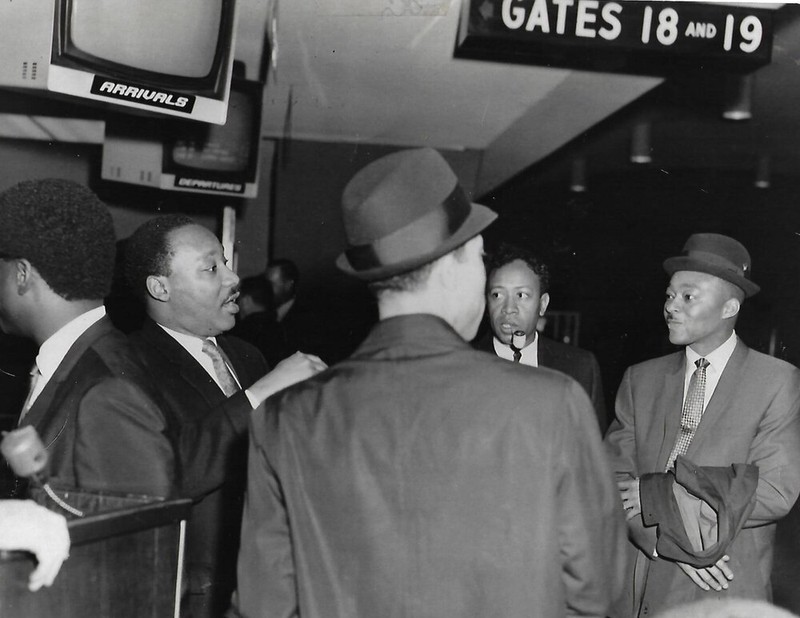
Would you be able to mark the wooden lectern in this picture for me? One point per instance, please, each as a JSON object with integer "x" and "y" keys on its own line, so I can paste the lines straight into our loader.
{"x": 125, "y": 561}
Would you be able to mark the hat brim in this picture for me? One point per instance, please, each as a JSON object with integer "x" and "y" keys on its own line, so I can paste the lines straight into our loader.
{"x": 685, "y": 262}
{"x": 479, "y": 218}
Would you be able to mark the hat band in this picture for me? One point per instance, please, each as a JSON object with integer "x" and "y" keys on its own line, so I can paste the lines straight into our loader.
{"x": 713, "y": 259}
{"x": 420, "y": 237}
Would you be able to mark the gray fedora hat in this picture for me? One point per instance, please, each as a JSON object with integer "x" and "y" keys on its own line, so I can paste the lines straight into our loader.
{"x": 405, "y": 210}
{"x": 718, "y": 255}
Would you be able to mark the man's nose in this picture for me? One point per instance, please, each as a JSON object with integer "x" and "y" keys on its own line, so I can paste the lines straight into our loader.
{"x": 232, "y": 278}
{"x": 510, "y": 306}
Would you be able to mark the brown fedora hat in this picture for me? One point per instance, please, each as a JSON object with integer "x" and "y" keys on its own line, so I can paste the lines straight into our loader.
{"x": 404, "y": 210}
{"x": 717, "y": 255}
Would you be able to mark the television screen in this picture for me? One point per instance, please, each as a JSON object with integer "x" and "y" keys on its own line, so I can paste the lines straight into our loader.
{"x": 123, "y": 33}
{"x": 221, "y": 148}
{"x": 190, "y": 156}
{"x": 167, "y": 56}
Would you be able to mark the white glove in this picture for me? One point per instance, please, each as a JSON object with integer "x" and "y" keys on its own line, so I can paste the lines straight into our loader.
{"x": 24, "y": 525}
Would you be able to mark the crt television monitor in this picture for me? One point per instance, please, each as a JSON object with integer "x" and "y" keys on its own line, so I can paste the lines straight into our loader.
{"x": 190, "y": 156}
{"x": 166, "y": 56}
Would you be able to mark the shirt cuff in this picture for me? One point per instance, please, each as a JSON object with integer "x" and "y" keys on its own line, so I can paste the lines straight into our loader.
{"x": 253, "y": 401}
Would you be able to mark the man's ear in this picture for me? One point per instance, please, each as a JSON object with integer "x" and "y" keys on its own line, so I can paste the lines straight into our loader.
{"x": 731, "y": 308}
{"x": 157, "y": 287}
{"x": 24, "y": 274}
{"x": 544, "y": 300}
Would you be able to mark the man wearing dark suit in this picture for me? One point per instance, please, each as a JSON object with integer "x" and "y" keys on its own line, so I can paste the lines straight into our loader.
{"x": 256, "y": 322}
{"x": 517, "y": 297}
{"x": 716, "y": 403}
{"x": 283, "y": 276}
{"x": 420, "y": 477}
{"x": 210, "y": 385}
{"x": 90, "y": 401}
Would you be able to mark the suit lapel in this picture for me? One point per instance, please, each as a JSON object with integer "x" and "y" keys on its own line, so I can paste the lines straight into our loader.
{"x": 53, "y": 395}
{"x": 240, "y": 368}
{"x": 669, "y": 401}
{"x": 544, "y": 354}
{"x": 720, "y": 401}
{"x": 192, "y": 373}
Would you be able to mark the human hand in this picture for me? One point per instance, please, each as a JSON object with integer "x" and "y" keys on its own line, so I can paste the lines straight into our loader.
{"x": 716, "y": 576}
{"x": 295, "y": 368}
{"x": 631, "y": 502}
{"x": 30, "y": 527}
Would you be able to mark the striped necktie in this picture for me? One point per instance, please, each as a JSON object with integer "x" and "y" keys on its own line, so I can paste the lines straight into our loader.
{"x": 225, "y": 378}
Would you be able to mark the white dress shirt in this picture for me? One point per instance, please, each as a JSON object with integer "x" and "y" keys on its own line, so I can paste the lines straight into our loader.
{"x": 194, "y": 346}
{"x": 56, "y": 346}
{"x": 530, "y": 353}
{"x": 717, "y": 360}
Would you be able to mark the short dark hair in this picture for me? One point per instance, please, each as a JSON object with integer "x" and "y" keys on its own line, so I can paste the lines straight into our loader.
{"x": 404, "y": 282}
{"x": 289, "y": 270}
{"x": 147, "y": 250}
{"x": 63, "y": 229}
{"x": 505, "y": 253}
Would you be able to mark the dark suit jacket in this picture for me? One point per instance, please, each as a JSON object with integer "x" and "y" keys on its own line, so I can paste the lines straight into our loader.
{"x": 210, "y": 432}
{"x": 575, "y": 362}
{"x": 99, "y": 421}
{"x": 422, "y": 477}
{"x": 753, "y": 417}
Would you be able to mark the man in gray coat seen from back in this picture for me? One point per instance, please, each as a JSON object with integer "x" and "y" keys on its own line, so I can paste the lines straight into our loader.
{"x": 421, "y": 477}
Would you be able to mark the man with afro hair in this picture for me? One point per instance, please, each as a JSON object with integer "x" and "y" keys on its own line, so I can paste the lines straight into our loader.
{"x": 89, "y": 400}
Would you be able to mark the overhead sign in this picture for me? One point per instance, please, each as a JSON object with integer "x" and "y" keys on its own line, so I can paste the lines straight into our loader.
{"x": 631, "y": 36}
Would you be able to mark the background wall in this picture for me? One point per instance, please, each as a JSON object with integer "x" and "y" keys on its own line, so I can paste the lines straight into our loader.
{"x": 307, "y": 228}
{"x": 605, "y": 245}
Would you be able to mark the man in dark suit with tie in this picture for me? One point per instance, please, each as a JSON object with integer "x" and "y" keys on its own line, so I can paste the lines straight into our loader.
{"x": 517, "y": 296}
{"x": 90, "y": 401}
{"x": 283, "y": 276}
{"x": 718, "y": 404}
{"x": 210, "y": 385}
{"x": 420, "y": 477}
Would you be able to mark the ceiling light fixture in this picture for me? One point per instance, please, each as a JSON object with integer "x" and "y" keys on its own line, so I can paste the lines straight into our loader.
{"x": 763, "y": 172}
{"x": 738, "y": 97}
{"x": 577, "y": 183}
{"x": 640, "y": 143}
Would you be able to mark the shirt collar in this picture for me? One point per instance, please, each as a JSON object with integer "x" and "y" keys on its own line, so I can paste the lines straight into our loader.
{"x": 192, "y": 343}
{"x": 56, "y": 346}
{"x": 530, "y": 353}
{"x": 718, "y": 358}
{"x": 284, "y": 309}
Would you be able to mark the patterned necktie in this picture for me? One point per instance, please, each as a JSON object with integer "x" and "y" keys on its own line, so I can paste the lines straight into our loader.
{"x": 225, "y": 378}
{"x": 692, "y": 411}
{"x": 35, "y": 375}
{"x": 517, "y": 343}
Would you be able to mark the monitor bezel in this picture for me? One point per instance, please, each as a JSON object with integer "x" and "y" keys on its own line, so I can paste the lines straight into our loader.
{"x": 254, "y": 90}
{"x": 213, "y": 85}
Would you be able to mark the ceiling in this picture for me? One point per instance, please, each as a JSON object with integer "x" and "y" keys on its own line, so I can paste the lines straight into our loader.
{"x": 383, "y": 72}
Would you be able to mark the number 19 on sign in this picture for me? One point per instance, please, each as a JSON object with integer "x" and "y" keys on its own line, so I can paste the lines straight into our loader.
{"x": 667, "y": 31}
